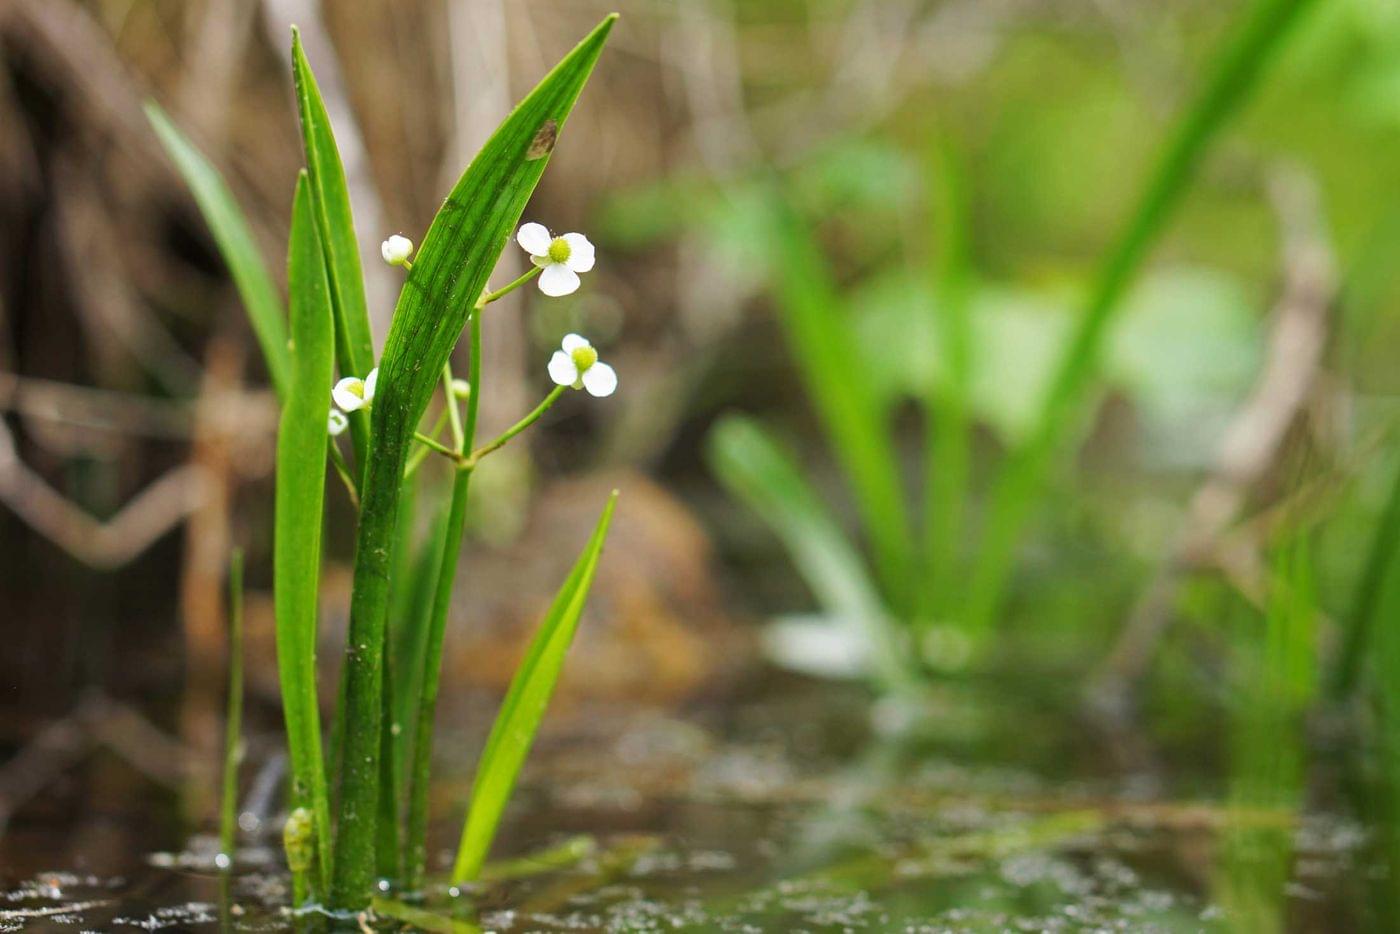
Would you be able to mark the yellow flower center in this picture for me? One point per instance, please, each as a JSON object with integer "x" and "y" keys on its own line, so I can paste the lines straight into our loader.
{"x": 559, "y": 250}
{"x": 584, "y": 357}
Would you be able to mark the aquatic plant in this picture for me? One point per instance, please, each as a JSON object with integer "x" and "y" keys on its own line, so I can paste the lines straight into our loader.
{"x": 359, "y": 814}
{"x": 933, "y": 589}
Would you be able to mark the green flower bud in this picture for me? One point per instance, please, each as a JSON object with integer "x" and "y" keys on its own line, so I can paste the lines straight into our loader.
{"x": 299, "y": 840}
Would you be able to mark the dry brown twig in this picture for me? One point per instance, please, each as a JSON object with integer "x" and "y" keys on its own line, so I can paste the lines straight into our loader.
{"x": 1250, "y": 447}
{"x": 156, "y": 510}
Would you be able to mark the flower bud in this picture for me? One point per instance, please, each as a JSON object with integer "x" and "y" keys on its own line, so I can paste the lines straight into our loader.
{"x": 396, "y": 250}
{"x": 299, "y": 838}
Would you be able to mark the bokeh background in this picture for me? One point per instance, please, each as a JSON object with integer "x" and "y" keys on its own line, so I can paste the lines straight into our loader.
{"x": 137, "y": 428}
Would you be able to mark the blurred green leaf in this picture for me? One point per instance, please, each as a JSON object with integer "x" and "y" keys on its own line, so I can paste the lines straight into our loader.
{"x": 819, "y": 332}
{"x": 1187, "y": 352}
{"x": 758, "y": 471}
{"x": 235, "y": 242}
{"x": 513, "y": 733}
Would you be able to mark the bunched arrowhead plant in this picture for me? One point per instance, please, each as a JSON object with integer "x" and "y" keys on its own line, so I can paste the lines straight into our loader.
{"x": 359, "y": 789}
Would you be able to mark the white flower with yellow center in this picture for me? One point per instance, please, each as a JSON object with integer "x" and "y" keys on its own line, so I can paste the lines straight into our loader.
{"x": 336, "y": 423}
{"x": 577, "y": 365}
{"x": 560, "y": 258}
{"x": 396, "y": 250}
{"x": 353, "y": 393}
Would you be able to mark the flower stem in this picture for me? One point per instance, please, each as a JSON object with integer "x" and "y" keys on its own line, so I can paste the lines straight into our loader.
{"x": 505, "y": 290}
{"x": 436, "y": 445}
{"x": 417, "y": 842}
{"x": 554, "y": 394}
{"x": 454, "y": 415}
{"x": 343, "y": 469}
{"x": 421, "y": 454}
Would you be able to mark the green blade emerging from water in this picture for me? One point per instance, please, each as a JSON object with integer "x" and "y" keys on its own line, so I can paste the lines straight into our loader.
{"x": 301, "y": 479}
{"x": 236, "y": 245}
{"x": 756, "y": 469}
{"x": 458, "y": 254}
{"x": 523, "y": 709}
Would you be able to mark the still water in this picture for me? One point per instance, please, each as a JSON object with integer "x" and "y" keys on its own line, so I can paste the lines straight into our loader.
{"x": 790, "y": 806}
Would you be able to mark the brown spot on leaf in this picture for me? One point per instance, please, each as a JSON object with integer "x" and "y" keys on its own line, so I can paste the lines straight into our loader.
{"x": 543, "y": 143}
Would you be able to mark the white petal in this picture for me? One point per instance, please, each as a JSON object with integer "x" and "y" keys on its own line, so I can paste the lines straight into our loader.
{"x": 580, "y": 252}
{"x": 349, "y": 394}
{"x": 336, "y": 423}
{"x": 600, "y": 380}
{"x": 558, "y": 279}
{"x": 562, "y": 369}
{"x": 370, "y": 382}
{"x": 572, "y": 342}
{"x": 534, "y": 239}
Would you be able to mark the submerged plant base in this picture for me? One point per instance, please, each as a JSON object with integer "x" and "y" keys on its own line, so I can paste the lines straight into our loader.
{"x": 781, "y": 813}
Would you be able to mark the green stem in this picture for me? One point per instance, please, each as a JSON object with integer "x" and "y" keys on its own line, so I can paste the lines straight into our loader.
{"x": 435, "y": 445}
{"x": 420, "y": 454}
{"x": 454, "y": 415}
{"x": 1018, "y": 487}
{"x": 356, "y": 828}
{"x": 343, "y": 470}
{"x": 416, "y": 861}
{"x": 505, "y": 290}
{"x": 515, "y": 429}
{"x": 386, "y": 844}
{"x": 233, "y": 719}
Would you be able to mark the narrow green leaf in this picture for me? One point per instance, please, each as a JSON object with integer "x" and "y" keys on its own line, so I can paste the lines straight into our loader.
{"x": 336, "y": 226}
{"x": 1368, "y": 606}
{"x": 301, "y": 477}
{"x": 948, "y": 435}
{"x": 448, "y": 276}
{"x": 523, "y": 708}
{"x": 233, "y": 716}
{"x": 819, "y": 332}
{"x": 754, "y": 467}
{"x": 1234, "y": 76}
{"x": 411, "y": 636}
{"x": 235, "y": 242}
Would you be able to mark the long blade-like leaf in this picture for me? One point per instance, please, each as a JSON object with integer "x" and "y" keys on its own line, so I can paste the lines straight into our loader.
{"x": 818, "y": 330}
{"x": 334, "y": 222}
{"x": 514, "y": 730}
{"x": 301, "y": 478}
{"x": 1235, "y": 75}
{"x": 756, "y": 469}
{"x": 448, "y": 276}
{"x": 235, "y": 242}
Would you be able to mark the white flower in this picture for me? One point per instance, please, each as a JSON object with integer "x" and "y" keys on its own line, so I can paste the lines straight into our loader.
{"x": 337, "y": 423}
{"x": 577, "y": 365}
{"x": 353, "y": 393}
{"x": 396, "y": 250}
{"x": 561, "y": 258}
